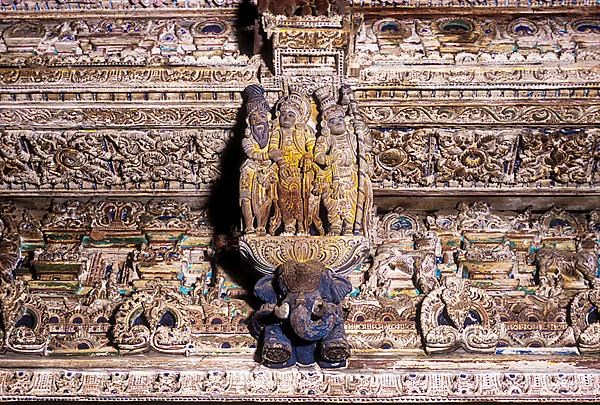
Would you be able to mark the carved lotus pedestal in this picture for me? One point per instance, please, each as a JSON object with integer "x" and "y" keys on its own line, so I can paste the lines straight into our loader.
{"x": 301, "y": 319}
{"x": 340, "y": 254}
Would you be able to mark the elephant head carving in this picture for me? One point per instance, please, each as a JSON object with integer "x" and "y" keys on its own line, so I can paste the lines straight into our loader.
{"x": 301, "y": 319}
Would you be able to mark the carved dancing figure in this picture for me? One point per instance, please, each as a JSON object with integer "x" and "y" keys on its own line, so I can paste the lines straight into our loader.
{"x": 258, "y": 175}
{"x": 342, "y": 152}
{"x": 291, "y": 147}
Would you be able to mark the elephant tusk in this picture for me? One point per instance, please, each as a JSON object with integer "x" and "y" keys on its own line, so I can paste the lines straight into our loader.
{"x": 282, "y": 311}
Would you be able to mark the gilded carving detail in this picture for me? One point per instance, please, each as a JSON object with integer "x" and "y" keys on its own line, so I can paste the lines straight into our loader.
{"x": 135, "y": 98}
{"x": 74, "y": 116}
{"x": 566, "y": 156}
{"x": 469, "y": 157}
{"x": 478, "y": 114}
{"x": 73, "y": 159}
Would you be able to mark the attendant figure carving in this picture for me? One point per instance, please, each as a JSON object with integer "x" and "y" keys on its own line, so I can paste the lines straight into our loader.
{"x": 341, "y": 151}
{"x": 258, "y": 174}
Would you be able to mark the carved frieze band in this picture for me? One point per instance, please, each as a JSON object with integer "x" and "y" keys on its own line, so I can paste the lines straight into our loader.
{"x": 108, "y": 158}
{"x": 39, "y": 7}
{"x": 297, "y": 384}
{"x": 63, "y": 115}
{"x": 121, "y": 115}
{"x": 587, "y": 113}
{"x": 138, "y": 78}
{"x": 470, "y": 3}
{"x": 403, "y": 157}
{"x": 504, "y": 157}
{"x": 518, "y": 77}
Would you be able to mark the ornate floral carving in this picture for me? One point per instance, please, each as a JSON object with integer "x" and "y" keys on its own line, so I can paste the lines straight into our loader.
{"x": 474, "y": 156}
{"x": 402, "y": 157}
{"x": 82, "y": 160}
{"x": 564, "y": 157}
{"x": 457, "y": 314}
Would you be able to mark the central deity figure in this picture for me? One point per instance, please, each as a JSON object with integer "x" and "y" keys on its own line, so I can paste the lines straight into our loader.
{"x": 291, "y": 147}
{"x": 293, "y": 179}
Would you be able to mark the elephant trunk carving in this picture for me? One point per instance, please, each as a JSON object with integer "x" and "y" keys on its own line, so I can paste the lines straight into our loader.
{"x": 314, "y": 324}
{"x": 301, "y": 319}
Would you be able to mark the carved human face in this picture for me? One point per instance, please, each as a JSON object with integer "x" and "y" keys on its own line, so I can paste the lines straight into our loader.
{"x": 336, "y": 124}
{"x": 259, "y": 125}
{"x": 287, "y": 118}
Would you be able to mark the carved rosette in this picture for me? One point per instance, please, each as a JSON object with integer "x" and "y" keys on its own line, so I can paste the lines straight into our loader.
{"x": 339, "y": 253}
{"x": 459, "y": 315}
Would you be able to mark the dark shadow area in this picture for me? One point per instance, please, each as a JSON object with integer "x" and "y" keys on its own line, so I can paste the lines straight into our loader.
{"x": 246, "y": 25}
{"x": 224, "y": 211}
{"x": 223, "y": 204}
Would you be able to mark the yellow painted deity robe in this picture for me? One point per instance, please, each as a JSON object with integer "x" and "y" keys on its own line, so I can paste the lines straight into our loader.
{"x": 294, "y": 179}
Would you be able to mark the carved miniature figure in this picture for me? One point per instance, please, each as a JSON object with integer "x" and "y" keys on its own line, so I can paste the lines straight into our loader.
{"x": 292, "y": 8}
{"x": 342, "y": 152}
{"x": 301, "y": 318}
{"x": 288, "y": 8}
{"x": 291, "y": 147}
{"x": 258, "y": 174}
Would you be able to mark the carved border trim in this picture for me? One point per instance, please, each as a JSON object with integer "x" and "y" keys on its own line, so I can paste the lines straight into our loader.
{"x": 298, "y": 385}
{"x": 138, "y": 79}
{"x": 584, "y": 112}
{"x": 118, "y": 115}
{"x": 468, "y": 75}
{"x": 492, "y": 5}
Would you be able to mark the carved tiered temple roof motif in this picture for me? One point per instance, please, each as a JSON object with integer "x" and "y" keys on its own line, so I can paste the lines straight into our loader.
{"x": 201, "y": 198}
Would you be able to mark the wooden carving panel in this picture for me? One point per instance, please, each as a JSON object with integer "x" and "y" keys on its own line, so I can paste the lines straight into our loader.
{"x": 122, "y": 127}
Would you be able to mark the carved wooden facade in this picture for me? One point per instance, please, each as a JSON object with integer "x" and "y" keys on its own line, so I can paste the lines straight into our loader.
{"x": 124, "y": 251}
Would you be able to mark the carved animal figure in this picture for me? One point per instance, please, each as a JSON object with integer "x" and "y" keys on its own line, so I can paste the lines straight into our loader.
{"x": 301, "y": 318}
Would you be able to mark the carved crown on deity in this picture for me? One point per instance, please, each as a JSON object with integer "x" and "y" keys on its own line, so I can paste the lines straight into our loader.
{"x": 305, "y": 188}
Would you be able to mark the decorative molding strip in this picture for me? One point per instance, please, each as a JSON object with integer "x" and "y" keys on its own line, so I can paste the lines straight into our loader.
{"x": 122, "y": 115}
{"x": 524, "y": 113}
{"x": 11, "y": 7}
{"x": 516, "y": 76}
{"x": 232, "y": 381}
{"x": 137, "y": 79}
{"x": 495, "y": 4}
